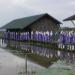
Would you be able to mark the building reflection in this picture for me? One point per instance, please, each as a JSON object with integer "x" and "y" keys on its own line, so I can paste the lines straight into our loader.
{"x": 68, "y": 56}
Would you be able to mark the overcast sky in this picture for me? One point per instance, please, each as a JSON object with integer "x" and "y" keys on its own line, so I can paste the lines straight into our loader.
{"x": 13, "y": 9}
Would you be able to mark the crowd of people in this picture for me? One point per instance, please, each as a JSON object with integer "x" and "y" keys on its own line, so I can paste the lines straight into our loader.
{"x": 61, "y": 37}
{"x": 67, "y": 37}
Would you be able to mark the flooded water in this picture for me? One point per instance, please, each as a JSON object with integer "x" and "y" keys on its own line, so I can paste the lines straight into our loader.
{"x": 69, "y": 57}
{"x": 11, "y": 64}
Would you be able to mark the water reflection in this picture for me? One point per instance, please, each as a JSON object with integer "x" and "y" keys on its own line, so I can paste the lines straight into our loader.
{"x": 62, "y": 55}
{"x": 68, "y": 56}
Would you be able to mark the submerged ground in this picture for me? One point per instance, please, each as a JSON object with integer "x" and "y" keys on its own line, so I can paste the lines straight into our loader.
{"x": 12, "y": 65}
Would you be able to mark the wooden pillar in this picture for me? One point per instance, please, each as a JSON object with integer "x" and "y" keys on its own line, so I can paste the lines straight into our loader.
{"x": 19, "y": 38}
{"x": 2, "y": 37}
{"x": 8, "y": 38}
{"x": 30, "y": 34}
{"x": 15, "y": 39}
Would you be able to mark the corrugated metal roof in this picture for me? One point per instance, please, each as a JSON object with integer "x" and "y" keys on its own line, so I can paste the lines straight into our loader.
{"x": 70, "y": 18}
{"x": 24, "y": 22}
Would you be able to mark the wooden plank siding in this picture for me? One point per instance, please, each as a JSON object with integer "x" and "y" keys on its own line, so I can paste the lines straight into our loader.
{"x": 44, "y": 24}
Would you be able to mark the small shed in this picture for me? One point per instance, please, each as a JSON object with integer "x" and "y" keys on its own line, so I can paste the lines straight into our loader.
{"x": 41, "y": 22}
{"x": 71, "y": 18}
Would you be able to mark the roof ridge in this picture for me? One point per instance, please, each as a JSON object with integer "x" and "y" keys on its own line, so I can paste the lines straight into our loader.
{"x": 32, "y": 16}
{"x": 25, "y": 21}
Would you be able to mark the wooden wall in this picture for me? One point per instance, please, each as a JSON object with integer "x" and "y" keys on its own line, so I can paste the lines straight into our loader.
{"x": 44, "y": 24}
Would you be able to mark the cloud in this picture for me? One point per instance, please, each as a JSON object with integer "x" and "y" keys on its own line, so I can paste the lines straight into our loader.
{"x": 12, "y": 9}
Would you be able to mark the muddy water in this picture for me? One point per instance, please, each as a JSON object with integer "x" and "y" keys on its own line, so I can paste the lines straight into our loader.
{"x": 12, "y": 65}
